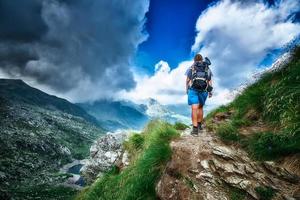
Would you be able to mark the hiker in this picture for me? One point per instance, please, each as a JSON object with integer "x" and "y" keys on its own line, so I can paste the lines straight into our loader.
{"x": 198, "y": 87}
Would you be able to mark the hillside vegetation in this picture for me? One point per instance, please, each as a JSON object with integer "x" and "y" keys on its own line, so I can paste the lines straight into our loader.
{"x": 39, "y": 133}
{"x": 149, "y": 152}
{"x": 268, "y": 111}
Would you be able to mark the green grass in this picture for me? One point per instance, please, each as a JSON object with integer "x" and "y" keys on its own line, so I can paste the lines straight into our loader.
{"x": 236, "y": 194}
{"x": 269, "y": 146}
{"x": 265, "y": 193}
{"x": 44, "y": 192}
{"x": 275, "y": 96}
{"x": 139, "y": 179}
{"x": 134, "y": 144}
{"x": 180, "y": 126}
{"x": 275, "y": 99}
{"x": 227, "y": 132}
{"x": 220, "y": 109}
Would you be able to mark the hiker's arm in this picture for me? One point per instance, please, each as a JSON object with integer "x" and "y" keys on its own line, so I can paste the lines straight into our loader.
{"x": 187, "y": 84}
{"x": 210, "y": 82}
{"x": 210, "y": 93}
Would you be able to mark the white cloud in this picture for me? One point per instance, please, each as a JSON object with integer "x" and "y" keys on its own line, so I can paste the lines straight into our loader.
{"x": 236, "y": 37}
{"x": 168, "y": 86}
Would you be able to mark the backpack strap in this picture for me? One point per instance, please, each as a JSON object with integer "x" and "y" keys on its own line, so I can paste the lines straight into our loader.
{"x": 193, "y": 70}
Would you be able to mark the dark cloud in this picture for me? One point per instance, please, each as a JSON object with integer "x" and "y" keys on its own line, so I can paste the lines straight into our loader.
{"x": 21, "y": 20}
{"x": 77, "y": 48}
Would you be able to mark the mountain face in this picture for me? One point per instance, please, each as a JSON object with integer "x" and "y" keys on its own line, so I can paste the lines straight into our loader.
{"x": 39, "y": 133}
{"x": 170, "y": 114}
{"x": 18, "y": 92}
{"x": 114, "y": 115}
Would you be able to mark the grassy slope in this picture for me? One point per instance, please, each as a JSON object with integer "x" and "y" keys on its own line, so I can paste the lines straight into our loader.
{"x": 275, "y": 100}
{"x": 149, "y": 151}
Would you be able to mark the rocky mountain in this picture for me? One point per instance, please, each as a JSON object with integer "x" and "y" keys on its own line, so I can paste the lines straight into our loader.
{"x": 39, "y": 133}
{"x": 17, "y": 92}
{"x": 171, "y": 114}
{"x": 114, "y": 115}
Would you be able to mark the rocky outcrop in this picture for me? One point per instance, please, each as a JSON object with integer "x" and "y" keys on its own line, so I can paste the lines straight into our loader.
{"x": 104, "y": 153}
{"x": 205, "y": 168}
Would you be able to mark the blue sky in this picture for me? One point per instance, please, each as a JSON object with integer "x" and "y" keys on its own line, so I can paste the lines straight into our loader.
{"x": 240, "y": 38}
{"x": 171, "y": 28}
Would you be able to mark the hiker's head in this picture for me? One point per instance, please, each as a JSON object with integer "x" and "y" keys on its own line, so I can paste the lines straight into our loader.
{"x": 198, "y": 58}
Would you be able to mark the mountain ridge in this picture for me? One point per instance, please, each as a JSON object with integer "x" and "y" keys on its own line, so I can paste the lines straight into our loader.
{"x": 39, "y": 133}
{"x": 17, "y": 90}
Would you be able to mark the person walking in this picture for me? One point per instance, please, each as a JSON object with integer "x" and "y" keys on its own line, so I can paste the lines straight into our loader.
{"x": 198, "y": 87}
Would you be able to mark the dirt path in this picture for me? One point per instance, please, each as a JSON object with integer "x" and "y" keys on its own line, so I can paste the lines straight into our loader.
{"x": 205, "y": 168}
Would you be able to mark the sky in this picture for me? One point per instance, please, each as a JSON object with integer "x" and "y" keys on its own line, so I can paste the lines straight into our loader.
{"x": 136, "y": 50}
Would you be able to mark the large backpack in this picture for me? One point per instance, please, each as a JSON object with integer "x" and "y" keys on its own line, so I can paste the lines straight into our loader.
{"x": 200, "y": 76}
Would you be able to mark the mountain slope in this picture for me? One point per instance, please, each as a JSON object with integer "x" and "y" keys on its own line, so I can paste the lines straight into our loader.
{"x": 17, "y": 91}
{"x": 114, "y": 115}
{"x": 38, "y": 134}
{"x": 265, "y": 117}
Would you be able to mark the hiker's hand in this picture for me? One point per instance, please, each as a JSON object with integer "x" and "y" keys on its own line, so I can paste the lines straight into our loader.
{"x": 209, "y": 94}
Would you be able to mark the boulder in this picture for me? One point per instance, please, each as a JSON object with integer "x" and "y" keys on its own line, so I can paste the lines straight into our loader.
{"x": 104, "y": 153}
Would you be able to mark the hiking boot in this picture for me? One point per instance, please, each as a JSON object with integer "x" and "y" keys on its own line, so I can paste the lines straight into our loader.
{"x": 194, "y": 131}
{"x": 200, "y": 128}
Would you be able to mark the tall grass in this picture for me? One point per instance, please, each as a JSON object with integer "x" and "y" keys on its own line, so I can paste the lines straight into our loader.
{"x": 139, "y": 179}
{"x": 180, "y": 126}
{"x": 227, "y": 132}
{"x": 275, "y": 97}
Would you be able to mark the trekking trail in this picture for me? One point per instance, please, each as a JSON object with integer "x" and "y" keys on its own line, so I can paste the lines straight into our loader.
{"x": 205, "y": 168}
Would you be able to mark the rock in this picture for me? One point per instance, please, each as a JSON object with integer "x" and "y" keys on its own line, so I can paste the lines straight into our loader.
{"x": 204, "y": 164}
{"x": 65, "y": 150}
{"x": 223, "y": 152}
{"x": 219, "y": 165}
{"x": 205, "y": 175}
{"x": 2, "y": 175}
{"x": 252, "y": 115}
{"x": 281, "y": 172}
{"x": 296, "y": 193}
{"x": 125, "y": 159}
{"x": 104, "y": 153}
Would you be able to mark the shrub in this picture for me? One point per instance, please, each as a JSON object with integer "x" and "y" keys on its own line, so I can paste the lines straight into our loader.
{"x": 238, "y": 122}
{"x": 220, "y": 109}
{"x": 265, "y": 193}
{"x": 227, "y": 132}
{"x": 269, "y": 146}
{"x": 236, "y": 194}
{"x": 180, "y": 126}
{"x": 134, "y": 143}
{"x": 44, "y": 191}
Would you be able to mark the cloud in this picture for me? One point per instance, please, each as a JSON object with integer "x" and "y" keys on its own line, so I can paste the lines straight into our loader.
{"x": 168, "y": 86}
{"x": 238, "y": 36}
{"x": 81, "y": 50}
